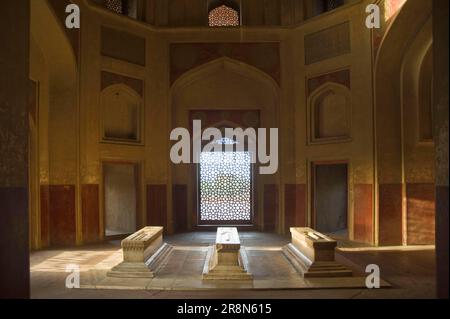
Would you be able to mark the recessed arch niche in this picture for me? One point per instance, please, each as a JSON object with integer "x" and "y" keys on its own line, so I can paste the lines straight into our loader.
{"x": 404, "y": 159}
{"x": 226, "y": 88}
{"x": 121, "y": 109}
{"x": 53, "y": 66}
{"x": 330, "y": 112}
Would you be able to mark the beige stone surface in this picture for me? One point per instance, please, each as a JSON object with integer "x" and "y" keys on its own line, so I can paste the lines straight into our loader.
{"x": 143, "y": 251}
{"x": 314, "y": 245}
{"x": 182, "y": 271}
{"x": 71, "y": 149}
{"x": 313, "y": 254}
{"x": 411, "y": 273}
{"x": 141, "y": 245}
{"x": 226, "y": 260}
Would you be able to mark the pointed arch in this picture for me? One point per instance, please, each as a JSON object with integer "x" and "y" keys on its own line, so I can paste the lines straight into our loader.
{"x": 224, "y": 16}
{"x": 56, "y": 73}
{"x": 330, "y": 113}
{"x": 225, "y": 64}
{"x": 401, "y": 37}
{"x": 121, "y": 109}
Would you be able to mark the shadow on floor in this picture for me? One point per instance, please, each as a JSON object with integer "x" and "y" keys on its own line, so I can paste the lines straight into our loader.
{"x": 412, "y": 273}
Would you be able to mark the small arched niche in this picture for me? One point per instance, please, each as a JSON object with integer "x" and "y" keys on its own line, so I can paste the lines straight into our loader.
{"x": 121, "y": 109}
{"x": 330, "y": 114}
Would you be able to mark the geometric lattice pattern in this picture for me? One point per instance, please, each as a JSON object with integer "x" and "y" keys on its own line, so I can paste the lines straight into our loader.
{"x": 114, "y": 5}
{"x": 225, "y": 186}
{"x": 223, "y": 16}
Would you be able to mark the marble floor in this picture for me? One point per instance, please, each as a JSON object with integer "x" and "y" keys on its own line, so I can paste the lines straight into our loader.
{"x": 410, "y": 272}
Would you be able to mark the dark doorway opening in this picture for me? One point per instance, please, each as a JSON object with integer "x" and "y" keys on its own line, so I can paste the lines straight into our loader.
{"x": 330, "y": 198}
{"x": 120, "y": 198}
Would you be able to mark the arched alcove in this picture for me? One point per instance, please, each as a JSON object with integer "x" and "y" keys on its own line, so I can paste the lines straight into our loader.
{"x": 228, "y": 91}
{"x": 397, "y": 70}
{"x": 120, "y": 114}
{"x": 55, "y": 214}
{"x": 417, "y": 139}
{"x": 330, "y": 114}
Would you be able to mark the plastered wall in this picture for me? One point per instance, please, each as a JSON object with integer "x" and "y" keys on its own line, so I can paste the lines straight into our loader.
{"x": 292, "y": 75}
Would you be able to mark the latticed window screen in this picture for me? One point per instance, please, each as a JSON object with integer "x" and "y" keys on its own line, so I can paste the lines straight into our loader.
{"x": 225, "y": 187}
{"x": 115, "y": 5}
{"x": 223, "y": 16}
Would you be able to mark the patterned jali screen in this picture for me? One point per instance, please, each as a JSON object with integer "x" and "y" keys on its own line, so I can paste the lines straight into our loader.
{"x": 223, "y": 16}
{"x": 225, "y": 187}
{"x": 114, "y": 5}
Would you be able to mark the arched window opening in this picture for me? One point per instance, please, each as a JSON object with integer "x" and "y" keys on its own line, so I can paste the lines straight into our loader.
{"x": 225, "y": 188}
{"x": 223, "y": 16}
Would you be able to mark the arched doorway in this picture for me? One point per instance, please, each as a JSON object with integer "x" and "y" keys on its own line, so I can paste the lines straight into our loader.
{"x": 224, "y": 93}
{"x": 404, "y": 149}
{"x": 55, "y": 214}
